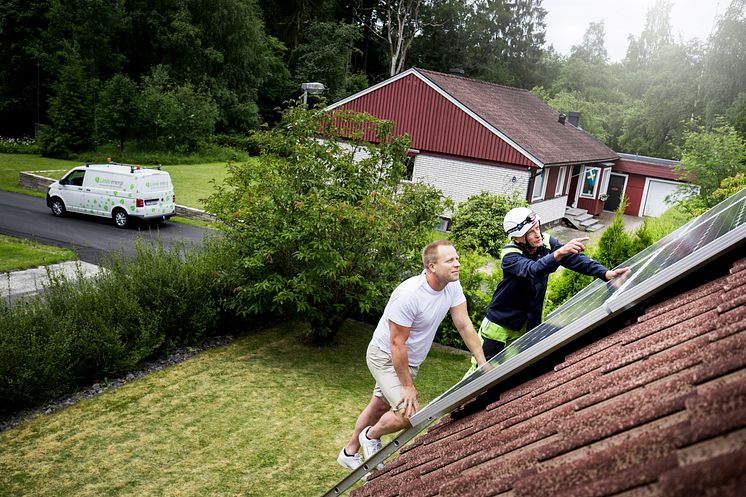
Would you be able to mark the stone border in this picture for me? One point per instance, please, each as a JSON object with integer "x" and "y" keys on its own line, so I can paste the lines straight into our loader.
{"x": 41, "y": 183}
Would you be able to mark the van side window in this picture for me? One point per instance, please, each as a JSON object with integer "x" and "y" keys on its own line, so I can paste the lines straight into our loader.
{"x": 75, "y": 178}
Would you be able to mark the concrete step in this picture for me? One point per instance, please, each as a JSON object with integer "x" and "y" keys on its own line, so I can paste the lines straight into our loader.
{"x": 588, "y": 222}
{"x": 574, "y": 211}
{"x": 583, "y": 217}
{"x": 594, "y": 227}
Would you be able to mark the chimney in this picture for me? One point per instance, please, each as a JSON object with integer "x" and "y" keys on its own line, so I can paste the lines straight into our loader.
{"x": 574, "y": 118}
{"x": 562, "y": 119}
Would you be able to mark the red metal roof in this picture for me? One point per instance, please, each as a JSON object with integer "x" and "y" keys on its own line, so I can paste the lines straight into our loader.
{"x": 463, "y": 117}
{"x": 654, "y": 408}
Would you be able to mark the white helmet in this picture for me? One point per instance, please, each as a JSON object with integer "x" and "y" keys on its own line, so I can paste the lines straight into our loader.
{"x": 519, "y": 221}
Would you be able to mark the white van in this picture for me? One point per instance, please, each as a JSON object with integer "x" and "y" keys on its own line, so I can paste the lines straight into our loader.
{"x": 118, "y": 191}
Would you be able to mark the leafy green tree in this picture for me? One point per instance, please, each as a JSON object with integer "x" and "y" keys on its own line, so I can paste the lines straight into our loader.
{"x": 710, "y": 156}
{"x": 655, "y": 125}
{"x": 175, "y": 117}
{"x": 444, "y": 40}
{"x": 737, "y": 115}
{"x": 322, "y": 225}
{"x": 593, "y": 47}
{"x": 117, "y": 110}
{"x": 23, "y": 79}
{"x": 325, "y": 56}
{"x": 655, "y": 36}
{"x": 724, "y": 76}
{"x": 70, "y": 109}
{"x": 477, "y": 223}
{"x": 507, "y": 42}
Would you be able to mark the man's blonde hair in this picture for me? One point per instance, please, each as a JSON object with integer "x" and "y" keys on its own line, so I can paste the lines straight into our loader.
{"x": 430, "y": 252}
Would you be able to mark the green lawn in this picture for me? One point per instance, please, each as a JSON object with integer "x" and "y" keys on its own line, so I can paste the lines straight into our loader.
{"x": 192, "y": 182}
{"x": 263, "y": 416}
{"x": 16, "y": 253}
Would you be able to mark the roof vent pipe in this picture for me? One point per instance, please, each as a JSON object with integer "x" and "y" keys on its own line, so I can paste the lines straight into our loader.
{"x": 562, "y": 118}
{"x": 456, "y": 71}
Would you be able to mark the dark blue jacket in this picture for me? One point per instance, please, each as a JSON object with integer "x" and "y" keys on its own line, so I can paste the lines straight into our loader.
{"x": 519, "y": 297}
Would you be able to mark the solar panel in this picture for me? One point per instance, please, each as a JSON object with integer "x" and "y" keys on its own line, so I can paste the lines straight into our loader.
{"x": 717, "y": 231}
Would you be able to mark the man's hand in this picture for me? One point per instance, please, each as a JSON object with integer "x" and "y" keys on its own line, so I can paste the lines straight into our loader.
{"x": 617, "y": 276}
{"x": 408, "y": 404}
{"x": 574, "y": 246}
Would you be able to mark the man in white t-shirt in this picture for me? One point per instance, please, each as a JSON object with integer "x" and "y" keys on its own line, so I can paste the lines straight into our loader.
{"x": 401, "y": 342}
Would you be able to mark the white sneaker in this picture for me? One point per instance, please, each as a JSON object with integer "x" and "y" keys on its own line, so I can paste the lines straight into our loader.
{"x": 370, "y": 446}
{"x": 351, "y": 462}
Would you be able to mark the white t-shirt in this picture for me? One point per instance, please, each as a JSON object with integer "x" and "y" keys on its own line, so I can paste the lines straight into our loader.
{"x": 416, "y": 305}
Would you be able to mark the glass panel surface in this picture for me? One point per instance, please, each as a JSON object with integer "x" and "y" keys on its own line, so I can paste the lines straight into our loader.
{"x": 704, "y": 231}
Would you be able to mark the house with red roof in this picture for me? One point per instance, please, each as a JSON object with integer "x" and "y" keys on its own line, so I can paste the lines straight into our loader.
{"x": 468, "y": 136}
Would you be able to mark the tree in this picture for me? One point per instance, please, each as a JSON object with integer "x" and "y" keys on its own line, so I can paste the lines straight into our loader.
{"x": 477, "y": 223}
{"x": 654, "y": 37}
{"x": 444, "y": 40}
{"x": 725, "y": 62}
{"x": 70, "y": 109}
{"x": 24, "y": 89}
{"x": 710, "y": 156}
{"x": 655, "y": 125}
{"x": 593, "y": 47}
{"x": 117, "y": 110}
{"x": 507, "y": 41}
{"x": 323, "y": 228}
{"x": 325, "y": 56}
{"x": 175, "y": 117}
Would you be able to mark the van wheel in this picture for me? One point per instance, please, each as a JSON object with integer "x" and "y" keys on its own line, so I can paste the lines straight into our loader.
{"x": 58, "y": 207}
{"x": 121, "y": 219}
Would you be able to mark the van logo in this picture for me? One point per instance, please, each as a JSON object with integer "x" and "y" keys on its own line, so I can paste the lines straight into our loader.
{"x": 107, "y": 181}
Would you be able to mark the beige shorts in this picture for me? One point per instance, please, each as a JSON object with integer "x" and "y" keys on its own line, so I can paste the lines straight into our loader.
{"x": 388, "y": 386}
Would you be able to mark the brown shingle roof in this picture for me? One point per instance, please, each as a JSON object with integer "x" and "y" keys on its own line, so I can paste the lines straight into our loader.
{"x": 656, "y": 408}
{"x": 525, "y": 119}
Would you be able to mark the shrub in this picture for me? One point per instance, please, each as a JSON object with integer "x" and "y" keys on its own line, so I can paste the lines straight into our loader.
{"x": 479, "y": 277}
{"x": 24, "y": 145}
{"x": 82, "y": 330}
{"x": 323, "y": 229}
{"x": 477, "y": 224}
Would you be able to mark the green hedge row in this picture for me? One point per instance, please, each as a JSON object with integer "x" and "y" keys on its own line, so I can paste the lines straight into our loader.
{"x": 79, "y": 330}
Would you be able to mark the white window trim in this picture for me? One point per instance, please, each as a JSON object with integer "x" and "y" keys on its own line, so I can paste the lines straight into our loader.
{"x": 542, "y": 194}
{"x": 581, "y": 186}
{"x": 606, "y": 173}
{"x": 560, "y": 188}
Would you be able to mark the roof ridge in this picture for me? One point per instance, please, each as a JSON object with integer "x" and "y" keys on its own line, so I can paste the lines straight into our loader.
{"x": 458, "y": 76}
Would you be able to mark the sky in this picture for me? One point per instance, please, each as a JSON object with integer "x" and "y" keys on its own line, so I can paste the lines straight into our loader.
{"x": 567, "y": 21}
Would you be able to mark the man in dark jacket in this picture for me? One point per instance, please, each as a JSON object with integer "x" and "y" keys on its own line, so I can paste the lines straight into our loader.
{"x": 518, "y": 302}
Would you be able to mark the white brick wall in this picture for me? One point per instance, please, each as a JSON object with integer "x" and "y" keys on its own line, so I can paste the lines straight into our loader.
{"x": 460, "y": 179}
{"x": 550, "y": 210}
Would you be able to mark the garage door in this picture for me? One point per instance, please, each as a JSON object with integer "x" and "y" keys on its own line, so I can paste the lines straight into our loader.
{"x": 655, "y": 199}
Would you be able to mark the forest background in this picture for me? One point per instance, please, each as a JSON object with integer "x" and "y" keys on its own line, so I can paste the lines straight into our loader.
{"x": 178, "y": 75}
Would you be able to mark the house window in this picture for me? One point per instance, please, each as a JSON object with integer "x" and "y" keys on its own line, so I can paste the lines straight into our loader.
{"x": 539, "y": 182}
{"x": 590, "y": 181}
{"x": 560, "y": 187}
{"x": 409, "y": 163}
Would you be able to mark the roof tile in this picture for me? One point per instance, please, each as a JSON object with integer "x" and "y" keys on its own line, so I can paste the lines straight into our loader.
{"x": 723, "y": 476}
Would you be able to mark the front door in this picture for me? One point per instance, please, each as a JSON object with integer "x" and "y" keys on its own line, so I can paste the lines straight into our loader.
{"x": 615, "y": 191}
